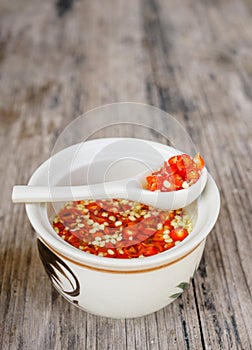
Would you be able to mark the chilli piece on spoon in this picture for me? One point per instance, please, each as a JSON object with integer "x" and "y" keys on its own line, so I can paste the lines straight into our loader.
{"x": 178, "y": 173}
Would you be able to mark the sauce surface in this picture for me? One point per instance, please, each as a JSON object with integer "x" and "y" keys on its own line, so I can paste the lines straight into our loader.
{"x": 119, "y": 228}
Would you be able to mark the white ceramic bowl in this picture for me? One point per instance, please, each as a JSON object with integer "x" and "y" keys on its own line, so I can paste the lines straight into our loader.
{"x": 117, "y": 288}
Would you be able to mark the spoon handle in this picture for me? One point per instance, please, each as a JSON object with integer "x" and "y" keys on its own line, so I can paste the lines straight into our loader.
{"x": 42, "y": 194}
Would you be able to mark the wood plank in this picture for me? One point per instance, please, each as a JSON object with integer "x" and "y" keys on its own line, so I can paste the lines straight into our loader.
{"x": 190, "y": 58}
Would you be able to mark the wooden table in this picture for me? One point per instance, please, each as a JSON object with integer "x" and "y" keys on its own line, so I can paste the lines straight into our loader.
{"x": 191, "y": 58}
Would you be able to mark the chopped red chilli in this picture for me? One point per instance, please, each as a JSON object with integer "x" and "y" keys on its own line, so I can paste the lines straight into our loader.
{"x": 178, "y": 173}
{"x": 120, "y": 228}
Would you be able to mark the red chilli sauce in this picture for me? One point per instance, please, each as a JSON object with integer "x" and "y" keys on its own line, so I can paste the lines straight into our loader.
{"x": 120, "y": 228}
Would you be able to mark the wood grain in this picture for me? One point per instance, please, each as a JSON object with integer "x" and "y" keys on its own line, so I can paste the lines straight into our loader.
{"x": 191, "y": 58}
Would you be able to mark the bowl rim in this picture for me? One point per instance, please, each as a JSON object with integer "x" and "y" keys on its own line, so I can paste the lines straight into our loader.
{"x": 208, "y": 206}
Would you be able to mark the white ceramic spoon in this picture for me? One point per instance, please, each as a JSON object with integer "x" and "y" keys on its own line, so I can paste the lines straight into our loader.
{"x": 131, "y": 189}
